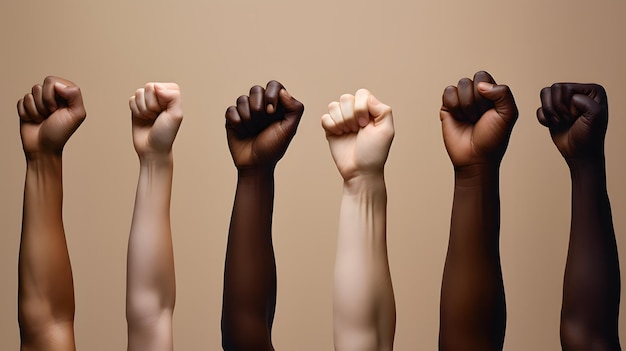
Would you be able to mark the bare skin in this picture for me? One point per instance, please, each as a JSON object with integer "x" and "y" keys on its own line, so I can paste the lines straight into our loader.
{"x": 577, "y": 117}
{"x": 359, "y": 129}
{"x": 49, "y": 115}
{"x": 477, "y": 119}
{"x": 259, "y": 129}
{"x": 151, "y": 285}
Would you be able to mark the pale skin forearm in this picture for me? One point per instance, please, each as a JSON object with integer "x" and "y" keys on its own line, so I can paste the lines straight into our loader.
{"x": 364, "y": 306}
{"x": 46, "y": 292}
{"x": 591, "y": 291}
{"x": 472, "y": 294}
{"x": 151, "y": 286}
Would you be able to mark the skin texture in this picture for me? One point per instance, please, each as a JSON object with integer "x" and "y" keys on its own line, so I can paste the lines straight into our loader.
{"x": 477, "y": 118}
{"x": 360, "y": 130}
{"x": 49, "y": 115}
{"x": 577, "y": 117}
{"x": 259, "y": 129}
{"x": 151, "y": 287}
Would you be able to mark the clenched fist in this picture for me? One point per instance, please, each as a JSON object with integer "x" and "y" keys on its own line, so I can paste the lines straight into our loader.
{"x": 156, "y": 117}
{"x": 577, "y": 116}
{"x": 261, "y": 126}
{"x": 477, "y": 119}
{"x": 359, "y": 129}
{"x": 49, "y": 115}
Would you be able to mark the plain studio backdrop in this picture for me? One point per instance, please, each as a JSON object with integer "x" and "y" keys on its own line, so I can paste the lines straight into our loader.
{"x": 405, "y": 52}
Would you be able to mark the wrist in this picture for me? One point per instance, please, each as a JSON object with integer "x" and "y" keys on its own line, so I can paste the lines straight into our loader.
{"x": 477, "y": 175}
{"x": 365, "y": 183}
{"x": 156, "y": 160}
{"x": 587, "y": 167}
{"x": 43, "y": 161}
{"x": 260, "y": 172}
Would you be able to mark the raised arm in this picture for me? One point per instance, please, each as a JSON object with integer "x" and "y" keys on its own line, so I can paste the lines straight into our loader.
{"x": 259, "y": 130}
{"x": 477, "y": 117}
{"x": 360, "y": 130}
{"x": 151, "y": 287}
{"x": 49, "y": 115}
{"x": 577, "y": 117}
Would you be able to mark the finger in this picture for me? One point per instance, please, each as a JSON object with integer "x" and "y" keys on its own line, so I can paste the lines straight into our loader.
{"x": 21, "y": 111}
{"x": 549, "y": 114}
{"x": 37, "y": 93}
{"x": 542, "y": 118}
{"x": 151, "y": 100}
{"x": 140, "y": 101}
{"x": 451, "y": 103}
{"x": 31, "y": 109}
{"x": 465, "y": 90}
{"x": 362, "y": 113}
{"x": 257, "y": 111}
{"x": 329, "y": 126}
{"x": 346, "y": 105}
{"x": 334, "y": 110}
{"x": 49, "y": 94}
{"x": 243, "y": 111}
{"x": 561, "y": 100}
{"x": 502, "y": 98}
{"x": 482, "y": 104}
{"x": 233, "y": 122}
{"x": 271, "y": 96}
{"x": 132, "y": 104}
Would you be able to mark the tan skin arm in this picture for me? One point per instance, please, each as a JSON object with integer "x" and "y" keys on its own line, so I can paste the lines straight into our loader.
{"x": 577, "y": 117}
{"x": 259, "y": 129}
{"x": 477, "y": 119}
{"x": 49, "y": 115}
{"x": 360, "y": 130}
{"x": 151, "y": 286}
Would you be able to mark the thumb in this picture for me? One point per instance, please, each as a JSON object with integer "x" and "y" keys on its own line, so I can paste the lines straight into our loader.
{"x": 377, "y": 109}
{"x": 73, "y": 96}
{"x": 293, "y": 110}
{"x": 169, "y": 98}
{"x": 589, "y": 109}
{"x": 502, "y": 98}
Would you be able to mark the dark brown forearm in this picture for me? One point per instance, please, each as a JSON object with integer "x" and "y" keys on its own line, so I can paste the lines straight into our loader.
{"x": 473, "y": 313}
{"x": 591, "y": 291}
{"x": 250, "y": 271}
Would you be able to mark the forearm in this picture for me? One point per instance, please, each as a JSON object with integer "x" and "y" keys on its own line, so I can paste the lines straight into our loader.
{"x": 592, "y": 277}
{"x": 249, "y": 298}
{"x": 151, "y": 285}
{"x": 472, "y": 293}
{"x": 46, "y": 293}
{"x": 364, "y": 306}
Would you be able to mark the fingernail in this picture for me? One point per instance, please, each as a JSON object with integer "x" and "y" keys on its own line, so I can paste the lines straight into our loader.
{"x": 485, "y": 86}
{"x": 60, "y": 85}
{"x": 270, "y": 108}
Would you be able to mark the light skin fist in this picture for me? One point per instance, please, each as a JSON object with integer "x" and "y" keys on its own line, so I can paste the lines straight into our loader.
{"x": 577, "y": 116}
{"x": 49, "y": 115}
{"x": 157, "y": 113}
{"x": 359, "y": 129}
{"x": 477, "y": 119}
{"x": 260, "y": 127}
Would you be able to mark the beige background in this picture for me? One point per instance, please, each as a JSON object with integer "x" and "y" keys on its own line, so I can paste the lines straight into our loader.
{"x": 405, "y": 52}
